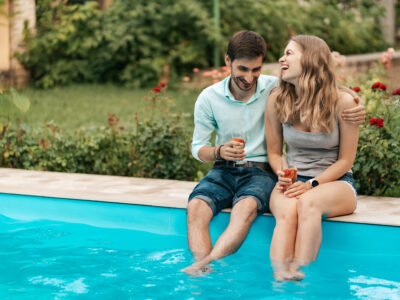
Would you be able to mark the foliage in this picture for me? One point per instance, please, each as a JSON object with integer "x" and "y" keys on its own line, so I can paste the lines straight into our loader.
{"x": 18, "y": 100}
{"x": 135, "y": 42}
{"x": 156, "y": 148}
{"x": 132, "y": 42}
{"x": 67, "y": 35}
{"x": 347, "y": 26}
{"x": 377, "y": 166}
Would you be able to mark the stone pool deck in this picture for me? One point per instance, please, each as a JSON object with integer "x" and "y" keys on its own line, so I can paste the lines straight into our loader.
{"x": 156, "y": 192}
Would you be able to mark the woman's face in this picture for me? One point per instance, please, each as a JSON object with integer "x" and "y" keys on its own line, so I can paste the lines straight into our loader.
{"x": 291, "y": 63}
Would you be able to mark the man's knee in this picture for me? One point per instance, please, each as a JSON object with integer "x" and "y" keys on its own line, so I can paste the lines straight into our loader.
{"x": 198, "y": 211}
{"x": 246, "y": 208}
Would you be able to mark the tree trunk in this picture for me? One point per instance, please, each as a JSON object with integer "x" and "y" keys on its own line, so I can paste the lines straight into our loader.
{"x": 21, "y": 11}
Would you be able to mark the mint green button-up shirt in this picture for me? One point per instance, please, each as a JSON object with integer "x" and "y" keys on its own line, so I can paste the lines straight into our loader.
{"x": 217, "y": 109}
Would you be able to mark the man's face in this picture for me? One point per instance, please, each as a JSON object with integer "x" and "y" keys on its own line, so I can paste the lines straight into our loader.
{"x": 244, "y": 71}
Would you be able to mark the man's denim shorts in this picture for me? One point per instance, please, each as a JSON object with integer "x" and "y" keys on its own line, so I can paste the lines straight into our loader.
{"x": 348, "y": 178}
{"x": 224, "y": 186}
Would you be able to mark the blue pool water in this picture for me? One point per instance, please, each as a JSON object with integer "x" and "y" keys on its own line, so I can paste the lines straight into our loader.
{"x": 58, "y": 248}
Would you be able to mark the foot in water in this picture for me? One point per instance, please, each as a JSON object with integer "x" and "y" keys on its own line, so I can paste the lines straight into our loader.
{"x": 286, "y": 271}
{"x": 295, "y": 270}
{"x": 197, "y": 269}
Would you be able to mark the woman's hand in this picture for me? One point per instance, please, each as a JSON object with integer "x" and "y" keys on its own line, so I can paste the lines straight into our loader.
{"x": 233, "y": 151}
{"x": 296, "y": 189}
{"x": 283, "y": 182}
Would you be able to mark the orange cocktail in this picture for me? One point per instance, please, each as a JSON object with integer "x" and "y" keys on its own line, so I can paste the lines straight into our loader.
{"x": 240, "y": 141}
{"x": 290, "y": 173}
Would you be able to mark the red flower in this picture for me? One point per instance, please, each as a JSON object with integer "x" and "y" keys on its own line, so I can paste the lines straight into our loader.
{"x": 379, "y": 85}
{"x": 356, "y": 89}
{"x": 396, "y": 92}
{"x": 156, "y": 89}
{"x": 376, "y": 121}
{"x": 162, "y": 84}
{"x": 195, "y": 70}
{"x": 375, "y": 85}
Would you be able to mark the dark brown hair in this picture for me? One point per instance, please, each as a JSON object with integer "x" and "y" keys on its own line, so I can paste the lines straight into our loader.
{"x": 246, "y": 44}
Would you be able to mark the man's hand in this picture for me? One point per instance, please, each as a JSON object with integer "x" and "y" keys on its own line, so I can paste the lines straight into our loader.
{"x": 233, "y": 151}
{"x": 355, "y": 115}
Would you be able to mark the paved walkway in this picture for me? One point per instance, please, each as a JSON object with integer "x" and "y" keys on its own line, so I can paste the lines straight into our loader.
{"x": 156, "y": 192}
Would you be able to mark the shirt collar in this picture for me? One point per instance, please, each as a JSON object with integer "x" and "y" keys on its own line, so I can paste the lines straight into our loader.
{"x": 260, "y": 88}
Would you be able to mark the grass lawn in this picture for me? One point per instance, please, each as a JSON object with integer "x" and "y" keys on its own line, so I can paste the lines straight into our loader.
{"x": 87, "y": 105}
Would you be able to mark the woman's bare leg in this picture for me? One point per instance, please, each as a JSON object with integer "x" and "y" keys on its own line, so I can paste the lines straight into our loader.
{"x": 284, "y": 210}
{"x": 330, "y": 199}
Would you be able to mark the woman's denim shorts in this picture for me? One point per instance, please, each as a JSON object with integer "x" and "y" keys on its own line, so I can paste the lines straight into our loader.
{"x": 348, "y": 178}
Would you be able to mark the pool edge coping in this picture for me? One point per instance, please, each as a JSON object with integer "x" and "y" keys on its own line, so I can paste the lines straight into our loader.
{"x": 37, "y": 183}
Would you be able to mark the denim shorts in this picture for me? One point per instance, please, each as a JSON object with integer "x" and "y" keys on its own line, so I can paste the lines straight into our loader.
{"x": 348, "y": 178}
{"x": 224, "y": 186}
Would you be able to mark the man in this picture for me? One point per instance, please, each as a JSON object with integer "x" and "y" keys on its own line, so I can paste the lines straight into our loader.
{"x": 240, "y": 179}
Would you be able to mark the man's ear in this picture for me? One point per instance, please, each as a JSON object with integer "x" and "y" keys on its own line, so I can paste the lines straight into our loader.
{"x": 227, "y": 60}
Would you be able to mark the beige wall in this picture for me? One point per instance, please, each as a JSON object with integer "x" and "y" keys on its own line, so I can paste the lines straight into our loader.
{"x": 4, "y": 39}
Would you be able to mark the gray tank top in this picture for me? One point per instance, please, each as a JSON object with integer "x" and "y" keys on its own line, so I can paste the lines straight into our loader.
{"x": 312, "y": 153}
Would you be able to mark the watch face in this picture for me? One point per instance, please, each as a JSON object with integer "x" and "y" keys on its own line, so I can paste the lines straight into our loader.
{"x": 314, "y": 183}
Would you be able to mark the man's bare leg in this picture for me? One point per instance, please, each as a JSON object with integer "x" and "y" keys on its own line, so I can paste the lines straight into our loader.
{"x": 199, "y": 215}
{"x": 242, "y": 216}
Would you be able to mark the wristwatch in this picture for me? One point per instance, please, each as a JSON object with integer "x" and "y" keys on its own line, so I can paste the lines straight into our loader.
{"x": 313, "y": 182}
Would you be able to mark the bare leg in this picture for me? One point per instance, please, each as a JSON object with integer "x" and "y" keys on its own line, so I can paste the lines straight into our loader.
{"x": 199, "y": 215}
{"x": 284, "y": 210}
{"x": 242, "y": 216}
{"x": 330, "y": 199}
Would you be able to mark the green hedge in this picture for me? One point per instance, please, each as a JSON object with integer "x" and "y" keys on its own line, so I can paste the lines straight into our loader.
{"x": 154, "y": 150}
{"x": 134, "y": 41}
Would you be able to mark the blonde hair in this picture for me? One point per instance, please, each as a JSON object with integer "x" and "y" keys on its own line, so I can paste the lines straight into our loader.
{"x": 317, "y": 85}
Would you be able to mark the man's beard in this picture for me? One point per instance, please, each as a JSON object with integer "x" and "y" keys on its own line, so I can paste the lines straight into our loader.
{"x": 243, "y": 84}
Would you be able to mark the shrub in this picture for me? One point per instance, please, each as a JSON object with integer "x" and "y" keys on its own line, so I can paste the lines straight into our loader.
{"x": 156, "y": 148}
{"x": 377, "y": 165}
{"x": 134, "y": 41}
{"x": 131, "y": 43}
{"x": 347, "y": 26}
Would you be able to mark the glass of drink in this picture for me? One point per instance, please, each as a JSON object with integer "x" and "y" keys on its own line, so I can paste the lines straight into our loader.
{"x": 239, "y": 137}
{"x": 291, "y": 173}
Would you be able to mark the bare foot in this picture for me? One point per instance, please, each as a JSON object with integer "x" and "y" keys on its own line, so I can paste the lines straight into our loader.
{"x": 295, "y": 275}
{"x": 282, "y": 275}
{"x": 295, "y": 270}
{"x": 197, "y": 269}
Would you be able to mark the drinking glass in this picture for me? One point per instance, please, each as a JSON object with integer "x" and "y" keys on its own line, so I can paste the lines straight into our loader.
{"x": 239, "y": 137}
{"x": 290, "y": 172}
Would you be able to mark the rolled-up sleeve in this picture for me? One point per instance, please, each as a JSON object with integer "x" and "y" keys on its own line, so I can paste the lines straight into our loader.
{"x": 204, "y": 124}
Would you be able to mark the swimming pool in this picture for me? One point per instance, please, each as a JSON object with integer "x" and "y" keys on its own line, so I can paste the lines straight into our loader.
{"x": 59, "y": 248}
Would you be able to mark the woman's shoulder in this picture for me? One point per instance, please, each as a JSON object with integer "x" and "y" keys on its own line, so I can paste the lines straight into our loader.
{"x": 346, "y": 99}
{"x": 274, "y": 93}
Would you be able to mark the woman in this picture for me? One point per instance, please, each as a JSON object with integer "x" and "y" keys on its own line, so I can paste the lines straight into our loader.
{"x": 305, "y": 111}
